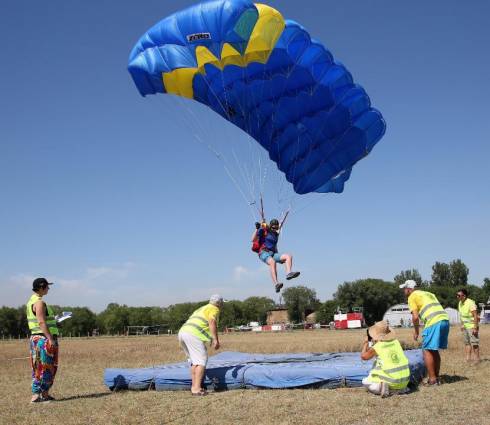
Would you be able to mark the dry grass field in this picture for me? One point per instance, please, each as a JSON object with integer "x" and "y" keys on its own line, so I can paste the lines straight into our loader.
{"x": 82, "y": 397}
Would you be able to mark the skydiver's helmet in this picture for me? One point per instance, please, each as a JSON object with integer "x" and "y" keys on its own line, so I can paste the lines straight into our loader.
{"x": 274, "y": 224}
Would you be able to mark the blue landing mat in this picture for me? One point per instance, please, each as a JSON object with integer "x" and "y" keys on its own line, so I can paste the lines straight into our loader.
{"x": 231, "y": 370}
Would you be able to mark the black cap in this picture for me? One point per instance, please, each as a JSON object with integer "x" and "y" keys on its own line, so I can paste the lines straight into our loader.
{"x": 39, "y": 283}
{"x": 274, "y": 222}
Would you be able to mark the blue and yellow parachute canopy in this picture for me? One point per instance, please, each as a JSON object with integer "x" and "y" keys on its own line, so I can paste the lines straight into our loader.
{"x": 267, "y": 76}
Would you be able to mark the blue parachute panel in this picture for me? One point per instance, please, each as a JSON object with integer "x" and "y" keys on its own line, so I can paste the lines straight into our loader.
{"x": 231, "y": 370}
{"x": 299, "y": 103}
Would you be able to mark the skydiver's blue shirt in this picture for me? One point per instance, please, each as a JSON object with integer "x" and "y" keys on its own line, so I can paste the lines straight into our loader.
{"x": 270, "y": 240}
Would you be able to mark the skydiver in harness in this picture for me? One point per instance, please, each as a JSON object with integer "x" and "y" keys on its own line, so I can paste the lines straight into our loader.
{"x": 264, "y": 242}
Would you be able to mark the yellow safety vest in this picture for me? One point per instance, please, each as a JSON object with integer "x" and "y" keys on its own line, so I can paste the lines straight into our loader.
{"x": 32, "y": 319}
{"x": 198, "y": 325}
{"x": 431, "y": 311}
{"x": 465, "y": 313}
{"x": 391, "y": 365}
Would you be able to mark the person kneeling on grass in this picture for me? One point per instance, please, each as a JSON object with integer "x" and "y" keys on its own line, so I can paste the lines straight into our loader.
{"x": 200, "y": 328}
{"x": 391, "y": 372}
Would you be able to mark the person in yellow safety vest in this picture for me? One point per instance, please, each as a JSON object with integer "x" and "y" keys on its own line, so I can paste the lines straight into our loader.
{"x": 391, "y": 371}
{"x": 43, "y": 342}
{"x": 426, "y": 307}
{"x": 200, "y": 328}
{"x": 468, "y": 313}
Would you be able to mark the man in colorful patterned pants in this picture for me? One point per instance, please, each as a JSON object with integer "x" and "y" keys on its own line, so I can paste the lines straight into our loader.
{"x": 43, "y": 342}
{"x": 44, "y": 363}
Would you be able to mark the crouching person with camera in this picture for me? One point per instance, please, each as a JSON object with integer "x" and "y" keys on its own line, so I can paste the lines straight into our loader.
{"x": 391, "y": 372}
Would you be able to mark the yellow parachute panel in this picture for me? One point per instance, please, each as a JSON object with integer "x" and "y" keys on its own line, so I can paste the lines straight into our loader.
{"x": 266, "y": 32}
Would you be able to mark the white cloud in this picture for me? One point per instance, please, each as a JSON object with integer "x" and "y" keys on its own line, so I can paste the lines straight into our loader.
{"x": 242, "y": 273}
{"x": 103, "y": 272}
{"x": 239, "y": 272}
{"x": 22, "y": 280}
{"x": 135, "y": 284}
{"x": 96, "y": 286}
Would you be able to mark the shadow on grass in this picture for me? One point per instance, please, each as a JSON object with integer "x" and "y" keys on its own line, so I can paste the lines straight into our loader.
{"x": 75, "y": 397}
{"x": 451, "y": 379}
{"x": 446, "y": 379}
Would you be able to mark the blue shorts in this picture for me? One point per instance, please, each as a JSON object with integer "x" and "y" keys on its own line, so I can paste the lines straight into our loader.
{"x": 265, "y": 255}
{"x": 435, "y": 337}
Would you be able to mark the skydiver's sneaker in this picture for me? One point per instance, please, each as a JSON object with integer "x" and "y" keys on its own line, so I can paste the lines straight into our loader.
{"x": 278, "y": 287}
{"x": 292, "y": 275}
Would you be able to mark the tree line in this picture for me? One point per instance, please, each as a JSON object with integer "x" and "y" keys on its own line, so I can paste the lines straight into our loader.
{"x": 116, "y": 318}
{"x": 375, "y": 296}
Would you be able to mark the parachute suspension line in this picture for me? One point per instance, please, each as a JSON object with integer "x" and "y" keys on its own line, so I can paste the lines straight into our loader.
{"x": 195, "y": 122}
{"x": 263, "y": 167}
{"x": 305, "y": 206}
{"x": 254, "y": 154}
{"x": 240, "y": 165}
{"x": 256, "y": 150}
{"x": 219, "y": 156}
{"x": 227, "y": 111}
{"x": 230, "y": 175}
{"x": 243, "y": 172}
{"x": 248, "y": 174}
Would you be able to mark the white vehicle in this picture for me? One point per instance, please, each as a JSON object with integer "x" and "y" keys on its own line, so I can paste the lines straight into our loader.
{"x": 485, "y": 312}
{"x": 249, "y": 326}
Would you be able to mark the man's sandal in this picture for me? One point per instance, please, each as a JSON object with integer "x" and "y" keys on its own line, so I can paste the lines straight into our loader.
{"x": 200, "y": 393}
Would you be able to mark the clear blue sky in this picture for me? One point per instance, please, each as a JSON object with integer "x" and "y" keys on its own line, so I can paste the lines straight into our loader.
{"x": 109, "y": 195}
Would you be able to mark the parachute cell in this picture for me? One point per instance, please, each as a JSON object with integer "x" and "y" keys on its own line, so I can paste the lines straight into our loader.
{"x": 267, "y": 76}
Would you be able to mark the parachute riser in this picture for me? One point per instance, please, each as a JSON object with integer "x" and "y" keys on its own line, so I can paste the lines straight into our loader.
{"x": 284, "y": 219}
{"x": 262, "y": 216}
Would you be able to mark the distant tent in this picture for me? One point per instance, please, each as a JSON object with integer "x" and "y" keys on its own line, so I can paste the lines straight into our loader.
{"x": 485, "y": 312}
{"x": 398, "y": 316}
{"x": 453, "y": 316}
